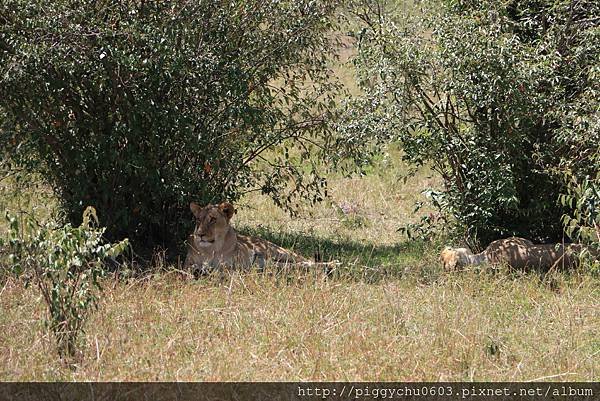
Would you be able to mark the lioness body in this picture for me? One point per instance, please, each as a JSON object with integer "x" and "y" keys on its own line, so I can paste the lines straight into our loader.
{"x": 518, "y": 253}
{"x": 215, "y": 243}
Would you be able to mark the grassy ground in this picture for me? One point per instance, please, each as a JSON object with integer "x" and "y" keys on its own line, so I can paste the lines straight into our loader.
{"x": 390, "y": 313}
{"x": 248, "y": 327}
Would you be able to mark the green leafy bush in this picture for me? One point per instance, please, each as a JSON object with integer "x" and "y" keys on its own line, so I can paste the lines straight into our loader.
{"x": 498, "y": 96}
{"x": 138, "y": 107}
{"x": 66, "y": 264}
{"x": 583, "y": 222}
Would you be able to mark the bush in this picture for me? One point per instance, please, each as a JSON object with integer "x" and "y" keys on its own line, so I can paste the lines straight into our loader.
{"x": 490, "y": 94}
{"x": 583, "y": 223}
{"x": 137, "y": 108}
{"x": 66, "y": 264}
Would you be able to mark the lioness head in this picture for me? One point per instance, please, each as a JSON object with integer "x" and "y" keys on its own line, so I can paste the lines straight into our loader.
{"x": 212, "y": 222}
{"x": 454, "y": 258}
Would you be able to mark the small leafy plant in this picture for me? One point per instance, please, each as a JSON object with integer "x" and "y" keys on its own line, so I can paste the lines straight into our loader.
{"x": 66, "y": 264}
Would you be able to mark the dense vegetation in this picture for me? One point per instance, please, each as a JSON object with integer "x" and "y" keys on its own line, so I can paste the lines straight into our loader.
{"x": 501, "y": 97}
{"x": 137, "y": 108}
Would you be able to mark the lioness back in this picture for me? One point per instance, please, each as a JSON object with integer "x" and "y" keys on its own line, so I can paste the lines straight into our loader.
{"x": 257, "y": 247}
{"x": 513, "y": 250}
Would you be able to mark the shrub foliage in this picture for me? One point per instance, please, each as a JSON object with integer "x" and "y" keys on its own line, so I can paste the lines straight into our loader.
{"x": 138, "y": 107}
{"x": 501, "y": 97}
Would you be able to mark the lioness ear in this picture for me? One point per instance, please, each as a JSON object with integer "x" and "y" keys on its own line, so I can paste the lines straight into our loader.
{"x": 196, "y": 209}
{"x": 228, "y": 209}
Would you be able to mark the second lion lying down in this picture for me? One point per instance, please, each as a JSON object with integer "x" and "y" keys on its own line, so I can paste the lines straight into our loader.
{"x": 215, "y": 243}
{"x": 516, "y": 252}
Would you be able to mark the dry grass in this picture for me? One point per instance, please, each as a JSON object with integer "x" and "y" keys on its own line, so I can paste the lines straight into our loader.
{"x": 358, "y": 209}
{"x": 270, "y": 327}
{"x": 416, "y": 323}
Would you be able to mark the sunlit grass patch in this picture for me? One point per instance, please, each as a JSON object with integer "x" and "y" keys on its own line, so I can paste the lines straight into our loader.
{"x": 303, "y": 326}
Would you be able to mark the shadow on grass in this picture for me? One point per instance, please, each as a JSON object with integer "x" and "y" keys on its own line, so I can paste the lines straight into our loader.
{"x": 364, "y": 261}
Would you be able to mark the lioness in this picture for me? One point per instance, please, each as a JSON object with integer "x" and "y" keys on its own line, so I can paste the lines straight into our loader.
{"x": 518, "y": 253}
{"x": 215, "y": 243}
